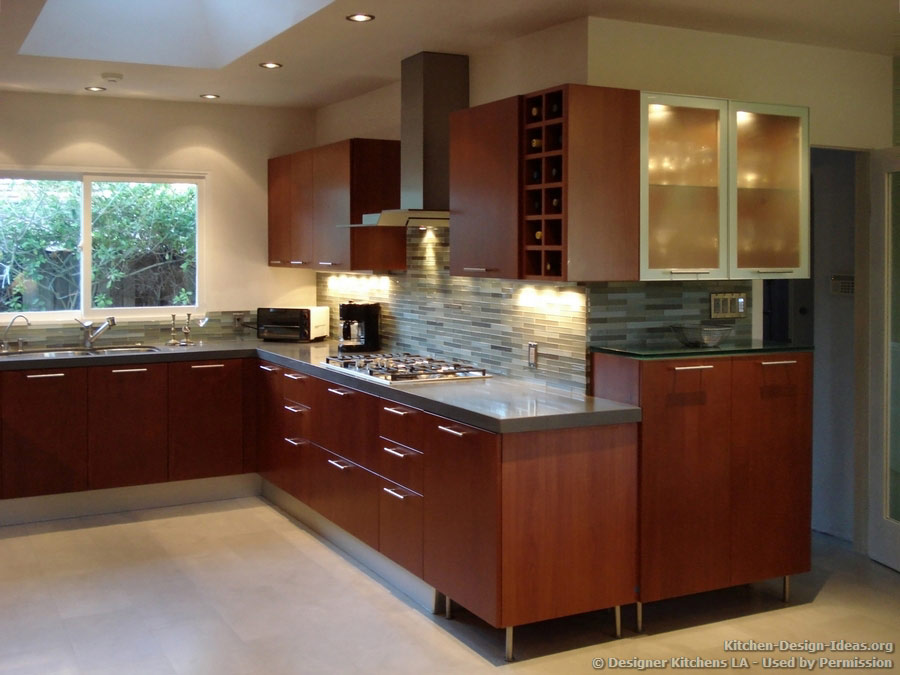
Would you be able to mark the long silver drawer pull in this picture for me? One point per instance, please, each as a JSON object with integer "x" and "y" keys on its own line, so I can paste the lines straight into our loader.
{"x": 394, "y": 493}
{"x": 452, "y": 431}
{"x": 774, "y": 271}
{"x": 397, "y": 411}
{"x": 268, "y": 369}
{"x": 298, "y": 262}
{"x": 328, "y": 264}
{"x": 274, "y": 262}
{"x": 688, "y": 271}
{"x": 777, "y": 363}
{"x": 339, "y": 392}
{"x": 210, "y": 365}
{"x": 293, "y": 408}
{"x": 35, "y": 377}
{"x": 129, "y": 370}
{"x": 396, "y": 453}
{"x": 693, "y": 367}
{"x": 293, "y": 442}
{"x": 480, "y": 269}
{"x": 336, "y": 463}
{"x": 294, "y": 376}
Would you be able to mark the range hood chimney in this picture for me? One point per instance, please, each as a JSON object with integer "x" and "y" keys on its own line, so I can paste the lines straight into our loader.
{"x": 432, "y": 85}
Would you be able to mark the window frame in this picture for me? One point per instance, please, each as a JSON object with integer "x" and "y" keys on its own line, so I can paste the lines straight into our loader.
{"x": 164, "y": 312}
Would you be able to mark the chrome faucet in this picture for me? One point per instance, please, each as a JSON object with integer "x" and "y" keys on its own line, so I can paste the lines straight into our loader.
{"x": 88, "y": 336}
{"x": 4, "y": 346}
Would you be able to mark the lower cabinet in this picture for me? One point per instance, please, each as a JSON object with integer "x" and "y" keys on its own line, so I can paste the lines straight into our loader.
{"x": 205, "y": 419}
{"x": 127, "y": 425}
{"x": 400, "y": 512}
{"x": 725, "y": 466}
{"x": 44, "y": 431}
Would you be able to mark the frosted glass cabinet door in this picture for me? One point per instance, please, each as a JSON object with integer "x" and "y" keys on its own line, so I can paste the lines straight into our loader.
{"x": 769, "y": 191}
{"x": 683, "y": 187}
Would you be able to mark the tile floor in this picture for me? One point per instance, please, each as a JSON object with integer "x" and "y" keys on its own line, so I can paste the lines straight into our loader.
{"x": 238, "y": 587}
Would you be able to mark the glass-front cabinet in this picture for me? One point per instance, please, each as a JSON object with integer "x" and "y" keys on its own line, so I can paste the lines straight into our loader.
{"x": 724, "y": 189}
{"x": 769, "y": 191}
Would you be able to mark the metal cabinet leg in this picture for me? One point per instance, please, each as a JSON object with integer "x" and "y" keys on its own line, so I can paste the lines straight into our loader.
{"x": 437, "y": 605}
{"x": 640, "y": 617}
{"x": 448, "y": 607}
{"x": 509, "y": 643}
{"x": 786, "y": 589}
{"x": 618, "y": 611}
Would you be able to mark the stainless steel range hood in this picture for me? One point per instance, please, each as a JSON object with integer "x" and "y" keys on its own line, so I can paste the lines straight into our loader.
{"x": 432, "y": 85}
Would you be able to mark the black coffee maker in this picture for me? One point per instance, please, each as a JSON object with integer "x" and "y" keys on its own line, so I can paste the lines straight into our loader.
{"x": 360, "y": 327}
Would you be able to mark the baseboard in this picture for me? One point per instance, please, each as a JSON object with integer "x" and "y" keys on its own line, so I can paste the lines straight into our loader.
{"x": 115, "y": 500}
{"x": 395, "y": 576}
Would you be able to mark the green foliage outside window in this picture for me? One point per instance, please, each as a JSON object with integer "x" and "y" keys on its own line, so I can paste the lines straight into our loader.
{"x": 144, "y": 244}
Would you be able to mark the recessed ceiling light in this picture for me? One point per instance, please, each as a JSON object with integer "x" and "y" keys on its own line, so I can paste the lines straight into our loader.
{"x": 271, "y": 65}
{"x": 360, "y": 18}
{"x": 209, "y": 96}
{"x": 95, "y": 89}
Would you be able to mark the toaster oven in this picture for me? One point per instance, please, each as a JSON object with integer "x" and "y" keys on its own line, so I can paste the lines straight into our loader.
{"x": 292, "y": 324}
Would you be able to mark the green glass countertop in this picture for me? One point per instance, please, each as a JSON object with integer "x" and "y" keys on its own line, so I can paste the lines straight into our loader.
{"x": 674, "y": 349}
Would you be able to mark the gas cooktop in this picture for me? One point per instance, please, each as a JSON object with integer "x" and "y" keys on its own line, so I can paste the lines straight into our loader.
{"x": 404, "y": 368}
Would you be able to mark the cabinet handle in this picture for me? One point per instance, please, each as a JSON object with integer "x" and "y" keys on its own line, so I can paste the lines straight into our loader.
{"x": 774, "y": 271}
{"x": 339, "y": 392}
{"x": 693, "y": 367}
{"x": 298, "y": 262}
{"x": 338, "y": 464}
{"x": 393, "y": 493}
{"x": 329, "y": 264}
{"x": 480, "y": 269}
{"x": 294, "y": 376}
{"x": 209, "y": 365}
{"x": 274, "y": 262}
{"x": 396, "y": 453}
{"x": 36, "y": 377}
{"x": 397, "y": 411}
{"x": 777, "y": 363}
{"x": 452, "y": 431}
{"x": 269, "y": 369}
{"x": 294, "y": 442}
{"x": 688, "y": 271}
{"x": 129, "y": 370}
{"x": 293, "y": 408}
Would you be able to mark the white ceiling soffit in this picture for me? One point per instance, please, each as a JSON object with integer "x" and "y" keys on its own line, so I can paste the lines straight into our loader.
{"x": 186, "y": 33}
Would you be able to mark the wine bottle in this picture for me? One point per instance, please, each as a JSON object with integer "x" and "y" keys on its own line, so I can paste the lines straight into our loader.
{"x": 538, "y": 235}
{"x": 535, "y": 111}
{"x": 536, "y": 143}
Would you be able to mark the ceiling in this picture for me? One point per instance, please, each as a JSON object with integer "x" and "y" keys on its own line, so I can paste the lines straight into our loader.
{"x": 327, "y": 58}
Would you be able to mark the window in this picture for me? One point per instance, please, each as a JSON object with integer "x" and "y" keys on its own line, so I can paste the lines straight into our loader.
{"x": 97, "y": 242}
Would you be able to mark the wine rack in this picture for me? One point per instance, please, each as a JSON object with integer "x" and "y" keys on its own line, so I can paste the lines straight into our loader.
{"x": 543, "y": 206}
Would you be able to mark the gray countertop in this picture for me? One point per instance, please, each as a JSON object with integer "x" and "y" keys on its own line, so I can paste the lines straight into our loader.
{"x": 498, "y": 404}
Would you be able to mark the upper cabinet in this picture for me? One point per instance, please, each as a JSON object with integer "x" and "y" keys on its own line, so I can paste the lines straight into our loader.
{"x": 769, "y": 191}
{"x": 724, "y": 189}
{"x": 314, "y": 195}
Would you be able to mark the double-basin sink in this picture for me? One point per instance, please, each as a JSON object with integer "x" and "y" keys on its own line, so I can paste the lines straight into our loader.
{"x": 65, "y": 352}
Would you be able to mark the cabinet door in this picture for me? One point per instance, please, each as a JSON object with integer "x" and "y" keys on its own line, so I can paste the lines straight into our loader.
{"x": 44, "y": 431}
{"x": 769, "y": 191}
{"x": 127, "y": 425}
{"x": 270, "y": 435}
{"x": 350, "y": 424}
{"x": 301, "y": 250}
{"x": 280, "y": 210}
{"x": 331, "y": 206}
{"x": 684, "y": 477}
{"x": 771, "y": 436}
{"x": 484, "y": 190}
{"x": 400, "y": 525}
{"x": 462, "y": 515}
{"x": 683, "y": 188}
{"x": 205, "y": 419}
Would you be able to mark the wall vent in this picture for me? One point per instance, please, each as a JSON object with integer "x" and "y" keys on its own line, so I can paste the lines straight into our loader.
{"x": 842, "y": 284}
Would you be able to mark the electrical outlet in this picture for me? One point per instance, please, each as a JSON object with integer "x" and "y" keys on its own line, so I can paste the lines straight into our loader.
{"x": 727, "y": 305}
{"x": 237, "y": 319}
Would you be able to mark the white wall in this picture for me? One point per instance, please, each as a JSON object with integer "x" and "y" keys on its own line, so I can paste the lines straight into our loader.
{"x": 848, "y": 93}
{"x": 372, "y": 115}
{"x": 230, "y": 143}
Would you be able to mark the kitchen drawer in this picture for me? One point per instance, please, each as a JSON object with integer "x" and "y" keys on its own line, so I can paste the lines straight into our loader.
{"x": 300, "y": 388}
{"x": 401, "y": 423}
{"x": 295, "y": 420}
{"x": 401, "y": 521}
{"x": 346, "y": 423}
{"x": 401, "y": 464}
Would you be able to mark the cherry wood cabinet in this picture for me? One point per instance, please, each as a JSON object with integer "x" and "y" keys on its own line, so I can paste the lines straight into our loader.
{"x": 270, "y": 433}
{"x": 127, "y": 425}
{"x": 725, "y": 466}
{"x": 484, "y": 175}
{"x": 771, "y": 458}
{"x": 400, "y": 517}
{"x": 347, "y": 423}
{"x": 205, "y": 419}
{"x": 44, "y": 431}
{"x": 290, "y": 210}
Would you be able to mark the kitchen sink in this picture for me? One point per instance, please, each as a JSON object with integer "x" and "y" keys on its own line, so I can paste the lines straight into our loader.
{"x": 68, "y": 352}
